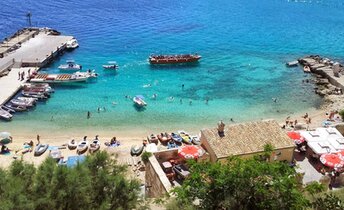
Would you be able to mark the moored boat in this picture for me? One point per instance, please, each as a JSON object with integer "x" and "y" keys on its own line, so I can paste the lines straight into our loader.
{"x": 174, "y": 59}
{"x": 70, "y": 66}
{"x": 28, "y": 99}
{"x": 16, "y": 108}
{"x": 82, "y": 147}
{"x": 164, "y": 138}
{"x": 136, "y": 150}
{"x": 72, "y": 44}
{"x": 62, "y": 78}
{"x": 9, "y": 110}
{"x": 292, "y": 63}
{"x": 111, "y": 65}
{"x": 18, "y": 102}
{"x": 5, "y": 114}
{"x": 40, "y": 149}
{"x": 37, "y": 95}
{"x": 139, "y": 101}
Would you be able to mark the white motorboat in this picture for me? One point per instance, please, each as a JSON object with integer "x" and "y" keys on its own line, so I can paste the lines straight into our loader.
{"x": 28, "y": 99}
{"x": 139, "y": 101}
{"x": 91, "y": 73}
{"x": 42, "y": 87}
{"x": 111, "y": 65}
{"x": 34, "y": 95}
{"x": 72, "y": 44}
{"x": 70, "y": 66}
{"x": 5, "y": 114}
{"x": 9, "y": 110}
{"x": 18, "y": 102}
{"x": 16, "y": 107}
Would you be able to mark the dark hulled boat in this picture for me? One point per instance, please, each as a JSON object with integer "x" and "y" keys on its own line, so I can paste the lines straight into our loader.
{"x": 174, "y": 59}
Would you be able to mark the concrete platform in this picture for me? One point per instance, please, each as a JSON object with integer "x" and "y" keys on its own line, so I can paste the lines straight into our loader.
{"x": 33, "y": 54}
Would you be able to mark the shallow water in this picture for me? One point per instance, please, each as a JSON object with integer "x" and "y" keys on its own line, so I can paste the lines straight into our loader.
{"x": 244, "y": 47}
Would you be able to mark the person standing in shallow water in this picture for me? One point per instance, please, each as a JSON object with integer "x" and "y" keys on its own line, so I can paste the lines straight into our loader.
{"x": 88, "y": 114}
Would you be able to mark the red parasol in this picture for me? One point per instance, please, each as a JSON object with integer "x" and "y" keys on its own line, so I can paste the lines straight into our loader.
{"x": 341, "y": 154}
{"x": 331, "y": 160}
{"x": 298, "y": 139}
{"x": 190, "y": 152}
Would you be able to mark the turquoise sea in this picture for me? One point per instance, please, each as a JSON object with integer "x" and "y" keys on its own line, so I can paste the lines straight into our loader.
{"x": 244, "y": 45}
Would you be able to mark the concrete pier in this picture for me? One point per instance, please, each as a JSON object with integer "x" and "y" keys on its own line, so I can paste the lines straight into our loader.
{"x": 35, "y": 49}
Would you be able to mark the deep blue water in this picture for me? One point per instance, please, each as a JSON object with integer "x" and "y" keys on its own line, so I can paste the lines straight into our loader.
{"x": 244, "y": 45}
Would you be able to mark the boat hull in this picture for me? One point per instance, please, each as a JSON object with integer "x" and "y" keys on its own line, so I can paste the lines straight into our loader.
{"x": 172, "y": 59}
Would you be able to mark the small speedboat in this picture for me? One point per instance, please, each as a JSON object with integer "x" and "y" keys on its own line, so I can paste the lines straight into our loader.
{"x": 196, "y": 140}
{"x": 7, "y": 109}
{"x": 139, "y": 101}
{"x": 94, "y": 146}
{"x": 37, "y": 95}
{"x": 40, "y": 149}
{"x": 111, "y": 65}
{"x": 82, "y": 147}
{"x": 18, "y": 102}
{"x": 16, "y": 108}
{"x": 153, "y": 139}
{"x": 70, "y": 66}
{"x": 72, "y": 44}
{"x": 164, "y": 138}
{"x": 5, "y": 114}
{"x": 55, "y": 154}
{"x": 28, "y": 99}
{"x": 72, "y": 144}
{"x": 136, "y": 150}
{"x": 177, "y": 138}
{"x": 185, "y": 136}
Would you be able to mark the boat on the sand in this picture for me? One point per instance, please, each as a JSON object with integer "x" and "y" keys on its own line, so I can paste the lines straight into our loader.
{"x": 173, "y": 59}
{"x": 153, "y": 139}
{"x": 82, "y": 147}
{"x": 40, "y": 149}
{"x": 136, "y": 150}
{"x": 164, "y": 138}
{"x": 172, "y": 144}
{"x": 177, "y": 138}
{"x": 196, "y": 140}
{"x": 72, "y": 144}
{"x": 94, "y": 146}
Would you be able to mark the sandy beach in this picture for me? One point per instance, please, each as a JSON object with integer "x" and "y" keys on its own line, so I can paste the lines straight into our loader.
{"x": 127, "y": 139}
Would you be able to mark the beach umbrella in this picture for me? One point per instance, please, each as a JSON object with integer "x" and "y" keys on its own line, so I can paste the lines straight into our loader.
{"x": 341, "y": 154}
{"x": 5, "y": 138}
{"x": 331, "y": 160}
{"x": 190, "y": 152}
{"x": 298, "y": 139}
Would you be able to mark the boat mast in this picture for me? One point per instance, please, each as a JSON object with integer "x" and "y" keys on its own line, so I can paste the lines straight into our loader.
{"x": 29, "y": 15}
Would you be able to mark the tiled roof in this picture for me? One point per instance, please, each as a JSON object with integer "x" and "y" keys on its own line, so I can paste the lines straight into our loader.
{"x": 247, "y": 138}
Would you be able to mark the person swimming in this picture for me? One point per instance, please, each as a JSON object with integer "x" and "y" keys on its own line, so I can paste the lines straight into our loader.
{"x": 147, "y": 85}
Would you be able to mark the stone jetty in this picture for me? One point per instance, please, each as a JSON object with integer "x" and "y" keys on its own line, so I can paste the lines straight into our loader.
{"x": 330, "y": 74}
{"x": 27, "y": 51}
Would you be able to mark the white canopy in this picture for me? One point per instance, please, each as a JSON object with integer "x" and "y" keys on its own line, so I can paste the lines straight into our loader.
{"x": 322, "y": 147}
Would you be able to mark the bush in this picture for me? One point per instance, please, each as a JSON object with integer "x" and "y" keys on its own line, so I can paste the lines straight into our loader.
{"x": 341, "y": 113}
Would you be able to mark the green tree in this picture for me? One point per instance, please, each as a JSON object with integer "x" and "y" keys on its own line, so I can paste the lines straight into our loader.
{"x": 328, "y": 201}
{"x": 98, "y": 183}
{"x": 241, "y": 184}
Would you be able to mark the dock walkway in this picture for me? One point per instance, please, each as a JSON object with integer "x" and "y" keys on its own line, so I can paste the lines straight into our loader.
{"x": 33, "y": 54}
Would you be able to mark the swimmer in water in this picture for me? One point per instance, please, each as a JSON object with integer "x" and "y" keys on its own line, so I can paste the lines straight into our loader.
{"x": 146, "y": 86}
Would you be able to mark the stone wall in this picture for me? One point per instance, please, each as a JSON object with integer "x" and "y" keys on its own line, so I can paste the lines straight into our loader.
{"x": 157, "y": 183}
